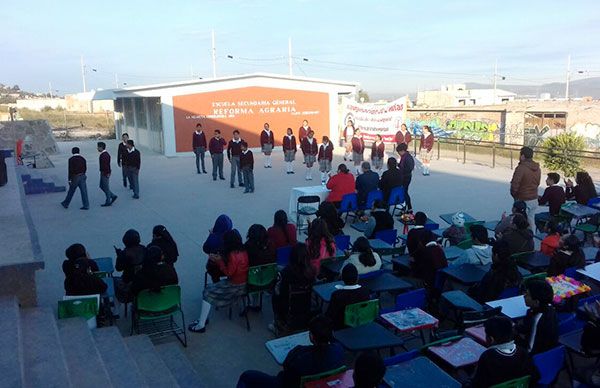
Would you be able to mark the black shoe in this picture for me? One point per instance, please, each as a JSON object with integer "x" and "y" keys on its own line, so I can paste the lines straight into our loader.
{"x": 291, "y": 172}
{"x": 232, "y": 186}
{"x": 222, "y": 178}
{"x": 84, "y": 208}
{"x": 252, "y": 191}
{"x": 106, "y": 204}
{"x": 204, "y": 171}
{"x": 214, "y": 178}
{"x": 199, "y": 172}
{"x": 241, "y": 185}
{"x": 114, "y": 198}
{"x": 246, "y": 191}
{"x": 136, "y": 197}
{"x": 125, "y": 185}
{"x": 64, "y": 205}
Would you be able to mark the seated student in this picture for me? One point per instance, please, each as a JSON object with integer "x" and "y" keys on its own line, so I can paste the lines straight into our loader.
{"x": 568, "y": 255}
{"x": 519, "y": 207}
{"x": 519, "y": 237}
{"x": 554, "y": 197}
{"x": 583, "y": 191}
{"x": 298, "y": 275}
{"x": 503, "y": 274}
{"x": 552, "y": 240}
{"x": 428, "y": 259}
{"x": 329, "y": 213}
{"x": 282, "y": 233}
{"x": 163, "y": 239}
{"x": 538, "y": 332}
{"x": 416, "y": 233}
{"x": 363, "y": 257}
{"x": 320, "y": 243}
{"x": 503, "y": 360}
{"x": 214, "y": 244}
{"x": 379, "y": 219}
{"x": 390, "y": 179}
{"x": 129, "y": 261}
{"x": 369, "y": 370}
{"x": 82, "y": 281}
{"x": 155, "y": 272}
{"x": 339, "y": 185}
{"x": 480, "y": 253}
{"x": 349, "y": 293}
{"x": 73, "y": 253}
{"x": 322, "y": 356}
{"x": 456, "y": 232}
{"x": 365, "y": 183}
{"x": 233, "y": 262}
{"x": 257, "y": 246}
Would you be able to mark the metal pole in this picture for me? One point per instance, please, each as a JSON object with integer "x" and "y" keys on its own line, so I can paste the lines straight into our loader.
{"x": 83, "y": 75}
{"x": 568, "y": 77}
{"x": 438, "y": 147}
{"x": 511, "y": 159}
{"x": 116, "y": 80}
{"x": 495, "y": 77}
{"x": 214, "y": 54}
{"x": 464, "y": 151}
{"x": 290, "y": 56}
{"x": 494, "y": 155}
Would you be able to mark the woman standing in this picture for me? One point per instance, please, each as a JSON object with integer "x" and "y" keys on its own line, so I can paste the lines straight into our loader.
{"x": 426, "y": 148}
{"x": 358, "y": 149}
{"x": 377, "y": 153}
{"x": 267, "y": 141}
{"x": 403, "y": 136}
{"x": 289, "y": 150}
{"x": 347, "y": 139}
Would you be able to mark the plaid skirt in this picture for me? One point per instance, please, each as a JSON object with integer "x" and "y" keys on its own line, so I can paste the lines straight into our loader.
{"x": 310, "y": 160}
{"x": 356, "y": 157}
{"x": 290, "y": 156}
{"x": 324, "y": 165}
{"x": 425, "y": 155}
{"x": 377, "y": 163}
{"x": 267, "y": 148}
{"x": 223, "y": 293}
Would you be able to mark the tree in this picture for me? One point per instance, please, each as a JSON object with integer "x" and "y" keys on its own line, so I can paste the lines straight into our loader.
{"x": 563, "y": 153}
{"x": 364, "y": 95}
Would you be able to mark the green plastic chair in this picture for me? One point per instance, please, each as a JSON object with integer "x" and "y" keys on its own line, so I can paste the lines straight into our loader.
{"x": 86, "y": 307}
{"x": 521, "y": 382}
{"x": 521, "y": 256}
{"x": 309, "y": 378}
{"x": 465, "y": 244}
{"x": 159, "y": 307}
{"x": 533, "y": 276}
{"x": 441, "y": 342}
{"x": 358, "y": 314}
{"x": 261, "y": 278}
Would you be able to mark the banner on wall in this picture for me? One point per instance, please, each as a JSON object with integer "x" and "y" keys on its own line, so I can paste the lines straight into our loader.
{"x": 375, "y": 118}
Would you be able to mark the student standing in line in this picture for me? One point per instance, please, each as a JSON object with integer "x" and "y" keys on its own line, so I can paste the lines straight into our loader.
{"x": 215, "y": 147}
{"x": 426, "y": 148}
{"x": 134, "y": 161}
{"x": 290, "y": 149}
{"x": 77, "y": 178}
{"x": 403, "y": 136}
{"x": 325, "y": 157}
{"x": 199, "y": 147}
{"x": 122, "y": 157}
{"x": 377, "y": 153}
{"x": 267, "y": 141}
{"x": 310, "y": 149}
{"x": 234, "y": 150}
{"x": 406, "y": 167}
{"x": 347, "y": 136}
{"x": 247, "y": 166}
{"x": 303, "y": 130}
{"x": 358, "y": 149}
{"x": 105, "y": 171}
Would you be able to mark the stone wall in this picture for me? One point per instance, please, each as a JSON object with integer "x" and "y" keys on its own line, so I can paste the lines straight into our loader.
{"x": 36, "y": 134}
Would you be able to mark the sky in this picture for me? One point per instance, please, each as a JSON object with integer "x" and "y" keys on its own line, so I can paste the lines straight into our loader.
{"x": 386, "y": 46}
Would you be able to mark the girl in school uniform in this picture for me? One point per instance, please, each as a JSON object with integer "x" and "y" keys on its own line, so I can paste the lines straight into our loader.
{"x": 358, "y": 149}
{"x": 347, "y": 139}
{"x": 289, "y": 150}
{"x": 325, "y": 157}
{"x": 426, "y": 148}
{"x": 377, "y": 153}
{"x": 403, "y": 136}
{"x": 310, "y": 149}
{"x": 267, "y": 141}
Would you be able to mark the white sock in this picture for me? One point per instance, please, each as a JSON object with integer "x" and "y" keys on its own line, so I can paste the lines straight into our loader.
{"x": 269, "y": 160}
{"x": 323, "y": 176}
{"x": 291, "y": 167}
{"x": 205, "y": 309}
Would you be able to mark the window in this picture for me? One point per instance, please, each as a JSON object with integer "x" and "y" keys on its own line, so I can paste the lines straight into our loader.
{"x": 505, "y": 100}
{"x": 140, "y": 113}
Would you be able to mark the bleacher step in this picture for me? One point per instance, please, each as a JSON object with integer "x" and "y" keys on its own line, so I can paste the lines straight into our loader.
{"x": 43, "y": 356}
{"x": 179, "y": 365}
{"x": 151, "y": 366}
{"x": 11, "y": 356}
{"x": 122, "y": 369}
{"x": 84, "y": 364}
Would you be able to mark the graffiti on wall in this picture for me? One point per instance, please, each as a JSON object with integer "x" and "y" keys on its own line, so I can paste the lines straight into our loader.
{"x": 459, "y": 126}
{"x": 590, "y": 132}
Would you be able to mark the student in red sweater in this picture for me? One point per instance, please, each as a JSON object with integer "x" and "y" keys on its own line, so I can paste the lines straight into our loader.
{"x": 358, "y": 149}
{"x": 426, "y": 148}
{"x": 282, "y": 233}
{"x": 216, "y": 146}
{"x": 309, "y": 149}
{"x": 340, "y": 184}
{"x": 320, "y": 243}
{"x": 247, "y": 166}
{"x": 552, "y": 241}
{"x": 377, "y": 154}
{"x": 403, "y": 136}
{"x": 325, "y": 157}
{"x": 267, "y": 142}
{"x": 199, "y": 146}
{"x": 303, "y": 130}
{"x": 554, "y": 197}
{"x": 289, "y": 150}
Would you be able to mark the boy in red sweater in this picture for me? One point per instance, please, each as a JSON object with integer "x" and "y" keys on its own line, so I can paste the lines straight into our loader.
{"x": 554, "y": 197}
{"x": 247, "y": 166}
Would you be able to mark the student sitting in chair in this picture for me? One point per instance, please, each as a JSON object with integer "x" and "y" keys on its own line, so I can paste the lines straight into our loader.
{"x": 539, "y": 330}
{"x": 320, "y": 243}
{"x": 155, "y": 272}
{"x": 321, "y": 356}
{"x": 417, "y": 233}
{"x": 456, "y": 232}
{"x": 428, "y": 259}
{"x": 379, "y": 219}
{"x": 77, "y": 252}
{"x": 369, "y": 370}
{"x": 349, "y": 293}
{"x": 568, "y": 255}
{"x": 519, "y": 207}
{"x": 519, "y": 237}
{"x": 503, "y": 360}
{"x": 503, "y": 274}
{"x": 554, "y": 197}
{"x": 329, "y": 213}
{"x": 82, "y": 281}
{"x": 363, "y": 257}
{"x": 480, "y": 253}
{"x": 129, "y": 261}
{"x": 551, "y": 242}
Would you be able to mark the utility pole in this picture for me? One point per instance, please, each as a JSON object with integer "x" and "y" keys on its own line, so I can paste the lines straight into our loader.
{"x": 116, "y": 80}
{"x": 568, "y": 77}
{"x": 214, "y": 55}
{"x": 83, "y": 75}
{"x": 495, "y": 79}
{"x": 290, "y": 56}
{"x": 50, "y": 87}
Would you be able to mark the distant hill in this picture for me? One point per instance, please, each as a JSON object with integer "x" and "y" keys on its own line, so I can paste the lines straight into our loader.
{"x": 578, "y": 88}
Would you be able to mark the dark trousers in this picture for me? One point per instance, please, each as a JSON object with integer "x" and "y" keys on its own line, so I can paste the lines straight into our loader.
{"x": 217, "y": 164}
{"x": 248, "y": 178}
{"x": 254, "y": 378}
{"x": 235, "y": 168}
{"x": 78, "y": 181}
{"x": 200, "y": 151}
{"x": 133, "y": 177}
{"x": 405, "y": 184}
{"x": 124, "y": 171}
{"x": 105, "y": 186}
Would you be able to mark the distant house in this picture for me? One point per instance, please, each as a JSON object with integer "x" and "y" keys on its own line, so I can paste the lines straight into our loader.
{"x": 456, "y": 95}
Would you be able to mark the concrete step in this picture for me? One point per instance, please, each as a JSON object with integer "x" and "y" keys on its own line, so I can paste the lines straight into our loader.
{"x": 43, "y": 357}
{"x": 11, "y": 356}
{"x": 152, "y": 367}
{"x": 84, "y": 364}
{"x": 179, "y": 365}
{"x": 122, "y": 369}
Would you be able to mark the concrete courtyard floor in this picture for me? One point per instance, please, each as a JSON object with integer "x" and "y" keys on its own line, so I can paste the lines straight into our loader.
{"x": 173, "y": 194}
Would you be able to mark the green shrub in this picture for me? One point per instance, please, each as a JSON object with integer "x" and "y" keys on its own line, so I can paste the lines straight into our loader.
{"x": 563, "y": 153}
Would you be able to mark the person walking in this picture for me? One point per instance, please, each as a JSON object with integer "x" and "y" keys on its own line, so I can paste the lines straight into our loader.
{"x": 234, "y": 150}
{"x": 134, "y": 161}
{"x": 525, "y": 182}
{"x": 77, "y": 179}
{"x": 199, "y": 147}
{"x": 215, "y": 147}
{"x": 104, "y": 161}
{"x": 122, "y": 157}
{"x": 267, "y": 141}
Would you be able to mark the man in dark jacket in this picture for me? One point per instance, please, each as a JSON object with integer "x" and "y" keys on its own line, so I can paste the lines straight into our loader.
{"x": 104, "y": 161}
{"x": 77, "y": 179}
{"x": 390, "y": 179}
{"x": 365, "y": 183}
{"x": 134, "y": 162}
{"x": 122, "y": 157}
{"x": 406, "y": 167}
{"x": 525, "y": 182}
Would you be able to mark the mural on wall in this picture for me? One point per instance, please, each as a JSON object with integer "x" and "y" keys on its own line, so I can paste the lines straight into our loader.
{"x": 541, "y": 125}
{"x": 590, "y": 132}
{"x": 457, "y": 124}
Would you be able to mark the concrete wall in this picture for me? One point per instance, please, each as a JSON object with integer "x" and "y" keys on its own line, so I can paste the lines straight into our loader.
{"x": 41, "y": 103}
{"x": 37, "y": 135}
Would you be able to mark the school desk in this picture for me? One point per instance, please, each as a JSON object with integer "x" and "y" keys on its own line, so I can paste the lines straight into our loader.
{"x": 280, "y": 347}
{"x": 371, "y": 336}
{"x": 460, "y": 353}
{"x": 514, "y": 307}
{"x": 418, "y": 373}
